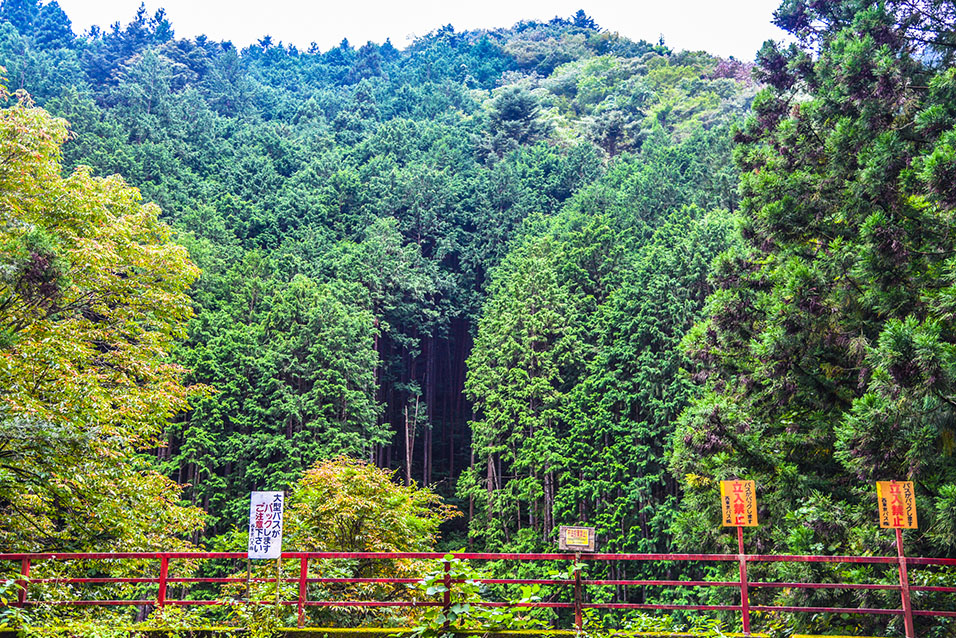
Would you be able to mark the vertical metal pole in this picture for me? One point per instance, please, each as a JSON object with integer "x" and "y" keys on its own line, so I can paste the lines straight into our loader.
{"x": 446, "y": 599}
{"x": 163, "y": 575}
{"x": 248, "y": 579}
{"x": 744, "y": 595}
{"x": 303, "y": 574}
{"x": 578, "y": 616}
{"x": 905, "y": 588}
{"x": 278, "y": 578}
{"x": 23, "y": 583}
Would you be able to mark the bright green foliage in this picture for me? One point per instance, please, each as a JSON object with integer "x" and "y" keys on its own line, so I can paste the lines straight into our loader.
{"x": 617, "y": 102}
{"x": 294, "y": 378}
{"x": 543, "y": 202}
{"x": 92, "y": 296}
{"x": 575, "y": 374}
{"x": 347, "y": 208}
{"x": 465, "y": 611}
{"x": 349, "y": 505}
{"x": 525, "y": 347}
{"x": 827, "y": 348}
{"x": 626, "y": 406}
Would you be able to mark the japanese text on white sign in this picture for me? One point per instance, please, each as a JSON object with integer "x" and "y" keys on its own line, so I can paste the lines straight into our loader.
{"x": 265, "y": 524}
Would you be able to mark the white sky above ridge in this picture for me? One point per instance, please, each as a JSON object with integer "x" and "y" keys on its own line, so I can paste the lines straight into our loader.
{"x": 721, "y": 27}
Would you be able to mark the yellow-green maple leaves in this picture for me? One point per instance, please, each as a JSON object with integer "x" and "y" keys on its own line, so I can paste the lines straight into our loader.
{"x": 92, "y": 295}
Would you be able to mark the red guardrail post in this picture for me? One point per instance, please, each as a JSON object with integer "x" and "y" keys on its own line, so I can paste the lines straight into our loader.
{"x": 905, "y": 588}
{"x": 23, "y": 583}
{"x": 303, "y": 574}
{"x": 163, "y": 576}
{"x": 446, "y": 599}
{"x": 744, "y": 595}
{"x": 578, "y": 618}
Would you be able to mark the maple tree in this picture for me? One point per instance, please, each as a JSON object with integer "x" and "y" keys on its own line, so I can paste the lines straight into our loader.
{"x": 345, "y": 504}
{"x": 349, "y": 505}
{"x": 92, "y": 296}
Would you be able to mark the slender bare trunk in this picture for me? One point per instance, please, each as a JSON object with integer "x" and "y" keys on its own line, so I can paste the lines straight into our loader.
{"x": 410, "y": 441}
{"x": 490, "y": 484}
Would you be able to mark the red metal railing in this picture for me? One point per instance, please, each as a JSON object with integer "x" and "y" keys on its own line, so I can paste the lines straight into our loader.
{"x": 578, "y": 583}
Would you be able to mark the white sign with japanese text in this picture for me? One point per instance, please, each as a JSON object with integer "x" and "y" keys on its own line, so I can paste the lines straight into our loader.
{"x": 265, "y": 524}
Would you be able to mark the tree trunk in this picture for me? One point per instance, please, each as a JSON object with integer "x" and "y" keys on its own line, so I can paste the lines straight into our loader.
{"x": 431, "y": 403}
{"x": 427, "y": 454}
{"x": 410, "y": 441}
{"x": 548, "y": 503}
{"x": 490, "y": 485}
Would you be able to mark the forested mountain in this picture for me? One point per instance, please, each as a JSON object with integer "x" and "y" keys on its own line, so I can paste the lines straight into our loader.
{"x": 556, "y": 275}
{"x": 347, "y": 208}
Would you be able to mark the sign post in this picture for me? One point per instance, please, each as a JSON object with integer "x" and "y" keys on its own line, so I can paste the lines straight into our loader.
{"x": 896, "y": 501}
{"x": 577, "y": 540}
{"x": 738, "y": 504}
{"x": 578, "y": 593}
{"x": 265, "y": 531}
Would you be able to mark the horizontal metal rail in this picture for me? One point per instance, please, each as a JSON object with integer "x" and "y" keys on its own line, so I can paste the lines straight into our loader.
{"x": 577, "y": 582}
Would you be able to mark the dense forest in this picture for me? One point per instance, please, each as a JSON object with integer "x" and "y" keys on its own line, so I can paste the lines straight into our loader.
{"x": 555, "y": 275}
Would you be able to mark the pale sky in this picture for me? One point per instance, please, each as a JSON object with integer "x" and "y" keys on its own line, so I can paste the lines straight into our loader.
{"x": 722, "y": 27}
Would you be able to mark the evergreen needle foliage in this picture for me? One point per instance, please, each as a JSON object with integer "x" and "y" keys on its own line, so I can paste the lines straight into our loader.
{"x": 552, "y": 274}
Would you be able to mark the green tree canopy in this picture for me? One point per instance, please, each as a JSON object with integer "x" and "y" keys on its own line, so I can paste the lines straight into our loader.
{"x": 827, "y": 352}
{"x": 92, "y": 296}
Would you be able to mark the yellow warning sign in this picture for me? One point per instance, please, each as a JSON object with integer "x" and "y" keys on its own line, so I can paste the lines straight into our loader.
{"x": 579, "y": 536}
{"x": 897, "y": 503}
{"x": 579, "y": 539}
{"x": 738, "y": 502}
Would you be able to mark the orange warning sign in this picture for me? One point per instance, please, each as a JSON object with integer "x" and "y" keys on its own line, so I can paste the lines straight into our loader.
{"x": 897, "y": 503}
{"x": 738, "y": 502}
